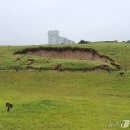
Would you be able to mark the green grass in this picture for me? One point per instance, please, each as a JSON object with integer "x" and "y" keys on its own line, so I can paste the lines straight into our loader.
{"x": 117, "y": 51}
{"x": 51, "y": 64}
{"x": 53, "y": 100}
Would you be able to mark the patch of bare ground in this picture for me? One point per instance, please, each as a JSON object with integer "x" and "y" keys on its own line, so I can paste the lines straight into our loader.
{"x": 70, "y": 53}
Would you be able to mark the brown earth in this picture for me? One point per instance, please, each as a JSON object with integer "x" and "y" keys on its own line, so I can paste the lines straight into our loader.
{"x": 69, "y": 53}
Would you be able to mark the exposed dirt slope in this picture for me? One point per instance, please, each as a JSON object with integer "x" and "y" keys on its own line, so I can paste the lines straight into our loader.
{"x": 68, "y": 53}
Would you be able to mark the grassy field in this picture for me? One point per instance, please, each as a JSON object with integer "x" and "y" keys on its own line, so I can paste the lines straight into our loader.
{"x": 52, "y": 100}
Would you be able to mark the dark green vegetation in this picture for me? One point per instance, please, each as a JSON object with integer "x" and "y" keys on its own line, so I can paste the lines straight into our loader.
{"x": 53, "y": 100}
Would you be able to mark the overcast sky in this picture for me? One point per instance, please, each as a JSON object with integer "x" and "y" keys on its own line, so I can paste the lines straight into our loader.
{"x": 28, "y": 21}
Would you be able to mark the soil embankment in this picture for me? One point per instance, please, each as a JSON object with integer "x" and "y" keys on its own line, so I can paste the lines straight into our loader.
{"x": 69, "y": 53}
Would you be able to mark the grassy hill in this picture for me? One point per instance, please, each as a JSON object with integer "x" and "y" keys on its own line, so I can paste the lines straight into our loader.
{"x": 53, "y": 100}
{"x": 119, "y": 52}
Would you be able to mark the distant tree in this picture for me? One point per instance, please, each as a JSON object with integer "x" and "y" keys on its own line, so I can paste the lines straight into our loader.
{"x": 123, "y": 41}
{"x": 128, "y": 41}
{"x": 84, "y": 42}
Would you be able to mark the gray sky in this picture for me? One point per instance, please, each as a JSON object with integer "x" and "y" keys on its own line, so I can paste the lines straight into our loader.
{"x": 28, "y": 21}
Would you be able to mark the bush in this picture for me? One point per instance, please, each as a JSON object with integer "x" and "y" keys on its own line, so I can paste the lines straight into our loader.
{"x": 84, "y": 42}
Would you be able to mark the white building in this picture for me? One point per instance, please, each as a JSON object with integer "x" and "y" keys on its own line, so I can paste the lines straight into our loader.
{"x": 54, "y": 38}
